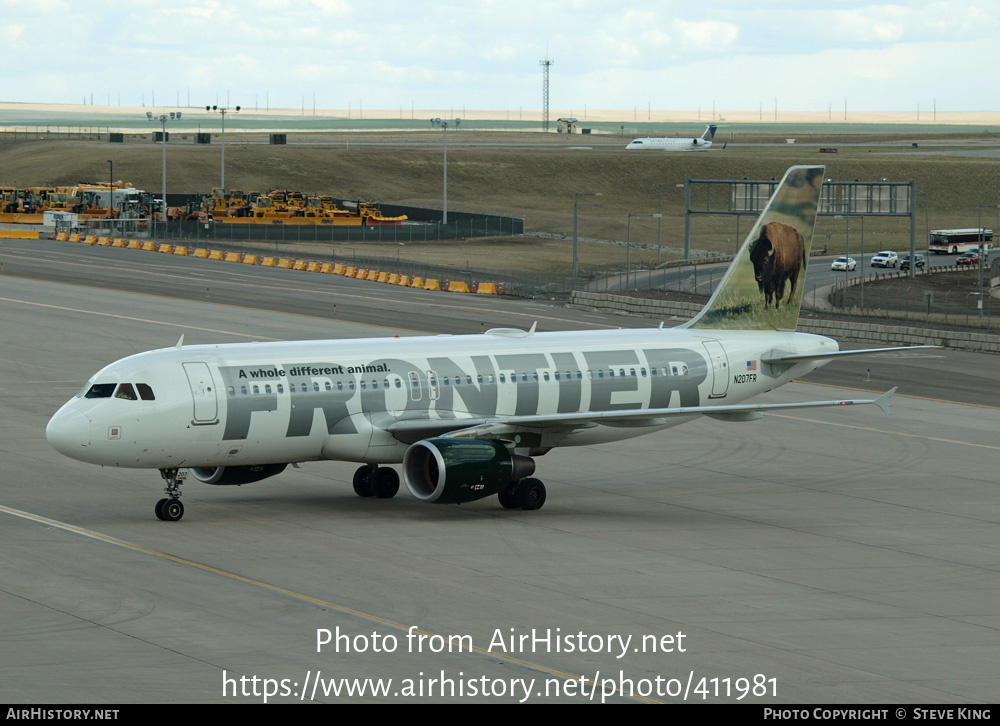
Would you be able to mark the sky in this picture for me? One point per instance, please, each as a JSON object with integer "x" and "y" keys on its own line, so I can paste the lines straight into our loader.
{"x": 484, "y": 54}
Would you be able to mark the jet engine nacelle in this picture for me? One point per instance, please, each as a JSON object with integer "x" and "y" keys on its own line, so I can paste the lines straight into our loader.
{"x": 236, "y": 475}
{"x": 449, "y": 471}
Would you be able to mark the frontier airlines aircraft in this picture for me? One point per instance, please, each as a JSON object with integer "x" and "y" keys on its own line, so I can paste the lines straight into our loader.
{"x": 465, "y": 415}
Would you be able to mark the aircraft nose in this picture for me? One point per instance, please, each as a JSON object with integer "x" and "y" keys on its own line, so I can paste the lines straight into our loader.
{"x": 69, "y": 432}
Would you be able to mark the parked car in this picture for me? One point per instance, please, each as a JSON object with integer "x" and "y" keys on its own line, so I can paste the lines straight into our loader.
{"x": 967, "y": 258}
{"x": 844, "y": 263}
{"x": 919, "y": 262}
{"x": 885, "y": 259}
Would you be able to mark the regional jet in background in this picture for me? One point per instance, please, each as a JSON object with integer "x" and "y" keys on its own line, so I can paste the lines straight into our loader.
{"x": 701, "y": 143}
{"x": 465, "y": 415}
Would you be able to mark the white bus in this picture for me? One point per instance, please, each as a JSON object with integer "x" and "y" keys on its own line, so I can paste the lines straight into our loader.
{"x": 957, "y": 241}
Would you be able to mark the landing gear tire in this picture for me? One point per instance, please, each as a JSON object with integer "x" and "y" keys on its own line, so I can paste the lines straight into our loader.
{"x": 363, "y": 481}
{"x": 530, "y": 494}
{"x": 508, "y": 499}
{"x": 384, "y": 483}
{"x": 172, "y": 510}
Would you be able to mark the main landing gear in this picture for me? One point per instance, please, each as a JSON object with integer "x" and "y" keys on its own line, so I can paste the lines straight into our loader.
{"x": 523, "y": 494}
{"x": 371, "y": 480}
{"x": 170, "y": 509}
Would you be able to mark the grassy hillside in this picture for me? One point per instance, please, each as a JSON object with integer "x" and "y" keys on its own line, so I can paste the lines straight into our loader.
{"x": 536, "y": 183}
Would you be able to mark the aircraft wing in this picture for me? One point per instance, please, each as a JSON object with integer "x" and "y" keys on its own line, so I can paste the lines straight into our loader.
{"x": 498, "y": 427}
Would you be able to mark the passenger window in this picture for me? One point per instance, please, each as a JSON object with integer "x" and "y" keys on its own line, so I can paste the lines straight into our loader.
{"x": 281, "y": 388}
{"x": 363, "y": 387}
{"x": 545, "y": 375}
{"x": 316, "y": 386}
{"x": 399, "y": 383}
{"x": 503, "y": 377}
{"x": 611, "y": 373}
{"x": 350, "y": 384}
{"x": 243, "y": 390}
{"x": 291, "y": 387}
{"x": 145, "y": 392}
{"x": 232, "y": 391}
{"x": 340, "y": 385}
{"x": 256, "y": 390}
{"x": 126, "y": 391}
{"x": 267, "y": 388}
{"x": 329, "y": 386}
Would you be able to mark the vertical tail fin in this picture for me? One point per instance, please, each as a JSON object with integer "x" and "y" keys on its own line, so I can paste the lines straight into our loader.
{"x": 709, "y": 132}
{"x": 771, "y": 262}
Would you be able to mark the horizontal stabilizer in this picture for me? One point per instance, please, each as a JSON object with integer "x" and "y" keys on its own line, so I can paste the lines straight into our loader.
{"x": 795, "y": 358}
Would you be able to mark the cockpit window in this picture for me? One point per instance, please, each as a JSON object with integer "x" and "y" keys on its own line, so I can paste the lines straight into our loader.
{"x": 145, "y": 392}
{"x": 100, "y": 390}
{"x": 126, "y": 391}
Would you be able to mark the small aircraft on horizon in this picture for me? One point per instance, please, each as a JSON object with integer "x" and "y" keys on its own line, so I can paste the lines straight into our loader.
{"x": 465, "y": 415}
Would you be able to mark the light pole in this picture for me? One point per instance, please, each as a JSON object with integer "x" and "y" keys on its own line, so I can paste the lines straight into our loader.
{"x": 982, "y": 252}
{"x": 223, "y": 110}
{"x": 576, "y": 198}
{"x": 628, "y": 245}
{"x": 444, "y": 125}
{"x": 162, "y": 118}
{"x": 111, "y": 187}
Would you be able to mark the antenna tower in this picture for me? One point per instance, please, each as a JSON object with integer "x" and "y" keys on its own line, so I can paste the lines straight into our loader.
{"x": 545, "y": 91}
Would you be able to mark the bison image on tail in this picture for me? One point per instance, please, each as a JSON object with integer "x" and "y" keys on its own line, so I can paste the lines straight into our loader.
{"x": 778, "y": 254}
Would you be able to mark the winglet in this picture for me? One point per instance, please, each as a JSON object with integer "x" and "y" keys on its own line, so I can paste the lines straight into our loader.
{"x": 180, "y": 342}
{"x": 883, "y": 401}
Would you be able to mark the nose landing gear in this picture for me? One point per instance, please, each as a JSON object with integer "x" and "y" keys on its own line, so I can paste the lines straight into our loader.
{"x": 170, "y": 509}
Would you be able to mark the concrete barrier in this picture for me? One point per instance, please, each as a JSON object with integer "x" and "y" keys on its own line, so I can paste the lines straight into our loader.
{"x": 862, "y": 332}
{"x": 339, "y": 269}
{"x": 18, "y": 234}
{"x": 134, "y": 244}
{"x": 215, "y": 255}
{"x": 62, "y": 237}
{"x": 149, "y": 246}
{"x": 103, "y": 241}
{"x": 166, "y": 248}
{"x": 284, "y": 263}
{"x": 313, "y": 267}
{"x": 201, "y": 252}
{"x": 118, "y": 242}
{"x": 233, "y": 257}
{"x": 432, "y": 284}
{"x": 249, "y": 259}
{"x": 327, "y": 267}
{"x": 268, "y": 262}
{"x": 417, "y": 282}
{"x": 458, "y": 286}
{"x": 90, "y": 239}
{"x": 404, "y": 280}
{"x": 486, "y": 288}
{"x": 181, "y": 250}
{"x": 300, "y": 265}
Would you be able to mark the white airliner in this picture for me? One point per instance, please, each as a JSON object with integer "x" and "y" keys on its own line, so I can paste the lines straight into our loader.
{"x": 701, "y": 143}
{"x": 466, "y": 415}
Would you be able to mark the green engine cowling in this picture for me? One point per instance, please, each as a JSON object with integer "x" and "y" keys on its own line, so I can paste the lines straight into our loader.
{"x": 452, "y": 471}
